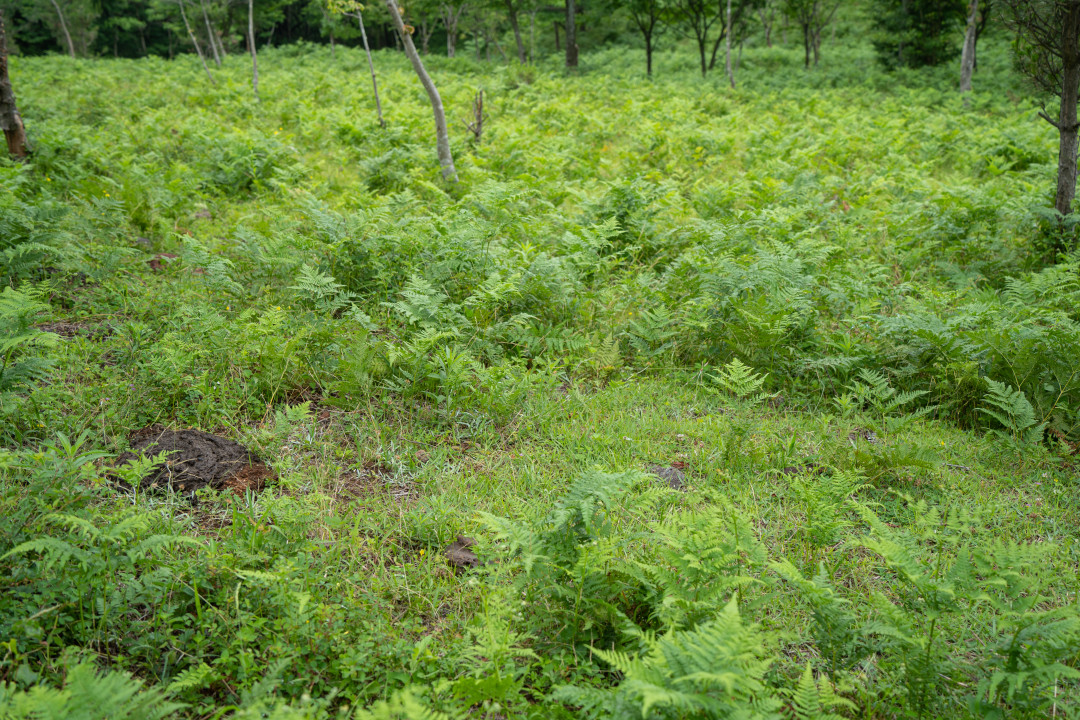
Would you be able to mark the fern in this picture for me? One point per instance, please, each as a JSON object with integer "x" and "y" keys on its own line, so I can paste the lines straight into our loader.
{"x": 741, "y": 381}
{"x": 321, "y": 290}
{"x": 815, "y": 699}
{"x": 715, "y": 670}
{"x": 1013, "y": 410}
{"x": 194, "y": 678}
{"x": 87, "y": 693}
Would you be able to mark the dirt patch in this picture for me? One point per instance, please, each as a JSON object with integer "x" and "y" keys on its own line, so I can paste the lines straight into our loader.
{"x": 74, "y": 329}
{"x": 159, "y": 262}
{"x": 196, "y": 459}
{"x": 673, "y": 476}
{"x": 372, "y": 479}
{"x": 460, "y": 556}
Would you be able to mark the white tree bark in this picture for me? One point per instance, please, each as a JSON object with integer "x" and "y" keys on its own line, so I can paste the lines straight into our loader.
{"x": 442, "y": 137}
{"x": 64, "y": 28}
{"x": 727, "y": 47}
{"x": 371, "y": 66}
{"x": 967, "y": 57}
{"x": 254, "y": 53}
{"x": 198, "y": 50}
{"x": 210, "y": 34}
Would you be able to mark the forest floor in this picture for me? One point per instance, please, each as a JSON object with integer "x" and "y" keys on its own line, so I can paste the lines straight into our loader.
{"x": 683, "y": 402}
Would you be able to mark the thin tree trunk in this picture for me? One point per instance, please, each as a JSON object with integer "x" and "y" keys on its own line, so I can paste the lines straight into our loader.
{"x": 767, "y": 20}
{"x": 571, "y": 35}
{"x": 806, "y": 44}
{"x": 210, "y": 34}
{"x": 511, "y": 8}
{"x": 371, "y": 66}
{"x": 532, "y": 34}
{"x": 727, "y": 48}
{"x": 1067, "y": 121}
{"x": 10, "y": 120}
{"x": 64, "y": 27}
{"x": 967, "y": 57}
{"x": 198, "y": 50}
{"x": 701, "y": 42}
{"x": 557, "y": 47}
{"x": 648, "y": 53}
{"x": 442, "y": 137}
{"x": 333, "y": 47}
{"x": 254, "y": 53}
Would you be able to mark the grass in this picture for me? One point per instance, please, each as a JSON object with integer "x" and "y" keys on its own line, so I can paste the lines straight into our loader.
{"x": 416, "y": 361}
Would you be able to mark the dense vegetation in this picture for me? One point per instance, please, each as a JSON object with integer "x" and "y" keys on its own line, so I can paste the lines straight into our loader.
{"x": 760, "y": 402}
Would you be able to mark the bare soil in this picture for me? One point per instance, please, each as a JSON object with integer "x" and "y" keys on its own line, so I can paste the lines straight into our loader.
{"x": 196, "y": 459}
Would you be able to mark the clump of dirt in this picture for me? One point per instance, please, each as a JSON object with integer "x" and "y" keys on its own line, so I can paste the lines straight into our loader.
{"x": 806, "y": 468}
{"x": 673, "y": 476}
{"x": 196, "y": 459}
{"x": 459, "y": 554}
{"x": 74, "y": 329}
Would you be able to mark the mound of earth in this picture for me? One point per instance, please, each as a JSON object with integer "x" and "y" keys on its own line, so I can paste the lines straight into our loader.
{"x": 196, "y": 459}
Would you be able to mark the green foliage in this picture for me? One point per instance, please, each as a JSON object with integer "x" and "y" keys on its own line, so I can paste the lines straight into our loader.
{"x": 1011, "y": 408}
{"x": 715, "y": 670}
{"x": 741, "y": 381}
{"x": 21, "y": 343}
{"x": 569, "y": 558}
{"x": 916, "y": 33}
{"x": 87, "y": 693}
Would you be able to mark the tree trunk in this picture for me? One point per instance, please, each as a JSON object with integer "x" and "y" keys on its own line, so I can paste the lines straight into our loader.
{"x": 371, "y": 66}
{"x": 532, "y": 34}
{"x": 701, "y": 42}
{"x": 210, "y": 34}
{"x": 1067, "y": 122}
{"x": 767, "y": 20}
{"x": 806, "y": 44}
{"x": 333, "y": 47}
{"x": 727, "y": 47}
{"x": 442, "y": 137}
{"x": 254, "y": 52}
{"x": 64, "y": 28}
{"x": 198, "y": 50}
{"x": 557, "y": 47}
{"x": 571, "y": 35}
{"x": 967, "y": 57}
{"x": 648, "y": 53}
{"x": 511, "y": 8}
{"x": 10, "y": 121}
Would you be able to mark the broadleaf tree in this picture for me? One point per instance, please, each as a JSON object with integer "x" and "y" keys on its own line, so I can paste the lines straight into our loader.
{"x": 1047, "y": 50}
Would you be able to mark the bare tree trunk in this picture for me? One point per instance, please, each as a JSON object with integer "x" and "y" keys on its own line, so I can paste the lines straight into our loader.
{"x": 648, "y": 53}
{"x": 1067, "y": 122}
{"x": 333, "y": 47}
{"x": 371, "y": 66}
{"x": 806, "y": 44}
{"x": 442, "y": 137}
{"x": 967, "y": 57}
{"x": 571, "y": 35}
{"x": 425, "y": 36}
{"x": 511, "y": 8}
{"x": 557, "y": 48}
{"x": 198, "y": 50}
{"x": 254, "y": 53}
{"x": 768, "y": 17}
{"x": 210, "y": 34}
{"x": 10, "y": 121}
{"x": 727, "y": 48}
{"x": 532, "y": 34}
{"x": 64, "y": 27}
